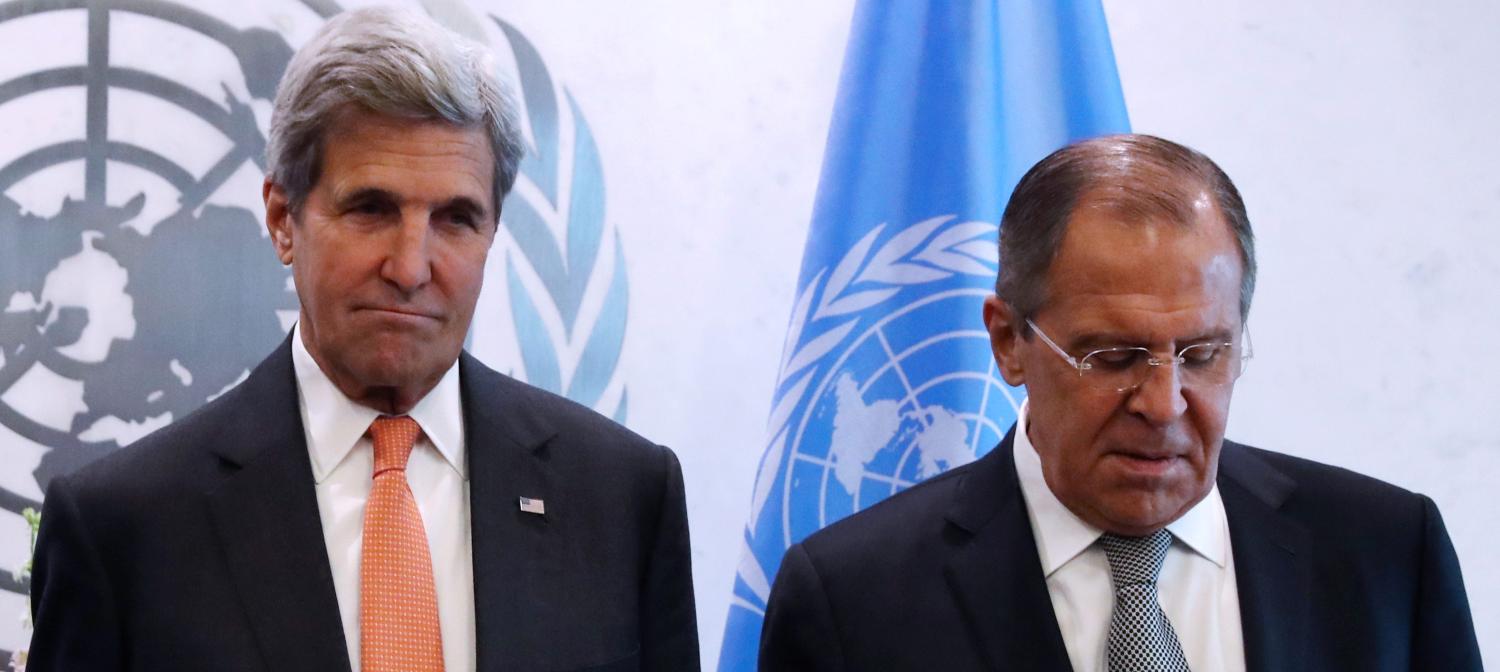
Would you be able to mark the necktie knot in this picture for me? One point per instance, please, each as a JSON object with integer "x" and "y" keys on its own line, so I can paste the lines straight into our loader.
{"x": 1135, "y": 560}
{"x": 394, "y": 437}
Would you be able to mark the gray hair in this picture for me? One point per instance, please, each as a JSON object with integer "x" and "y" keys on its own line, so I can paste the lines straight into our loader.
{"x": 1138, "y": 176}
{"x": 390, "y": 61}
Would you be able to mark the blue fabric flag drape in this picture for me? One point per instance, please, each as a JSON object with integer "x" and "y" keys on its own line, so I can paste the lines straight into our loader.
{"x": 886, "y": 376}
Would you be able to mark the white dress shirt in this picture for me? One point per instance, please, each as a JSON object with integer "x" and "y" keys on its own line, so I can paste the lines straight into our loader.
{"x": 343, "y": 463}
{"x": 1196, "y": 585}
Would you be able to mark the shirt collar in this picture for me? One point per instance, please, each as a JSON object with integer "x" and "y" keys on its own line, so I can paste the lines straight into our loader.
{"x": 334, "y": 424}
{"x": 1061, "y": 535}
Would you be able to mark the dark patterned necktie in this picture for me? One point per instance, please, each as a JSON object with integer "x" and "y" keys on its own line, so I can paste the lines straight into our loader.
{"x": 1141, "y": 639}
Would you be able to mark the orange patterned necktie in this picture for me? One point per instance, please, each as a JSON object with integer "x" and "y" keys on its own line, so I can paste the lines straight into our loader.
{"x": 398, "y": 617}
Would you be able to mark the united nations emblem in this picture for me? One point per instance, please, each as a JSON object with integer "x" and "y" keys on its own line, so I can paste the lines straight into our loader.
{"x": 136, "y": 282}
{"x": 886, "y": 380}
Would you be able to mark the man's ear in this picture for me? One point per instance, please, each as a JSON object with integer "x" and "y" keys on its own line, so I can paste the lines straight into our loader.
{"x": 1006, "y": 329}
{"x": 278, "y": 220}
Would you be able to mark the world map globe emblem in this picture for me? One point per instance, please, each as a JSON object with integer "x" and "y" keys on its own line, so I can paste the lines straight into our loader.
{"x": 136, "y": 282}
{"x": 895, "y": 410}
{"x": 911, "y": 389}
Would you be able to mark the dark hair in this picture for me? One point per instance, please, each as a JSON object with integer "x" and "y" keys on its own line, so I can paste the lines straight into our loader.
{"x": 1139, "y": 176}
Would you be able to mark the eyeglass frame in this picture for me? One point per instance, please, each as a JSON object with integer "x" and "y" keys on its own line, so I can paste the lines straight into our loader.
{"x": 1081, "y": 365}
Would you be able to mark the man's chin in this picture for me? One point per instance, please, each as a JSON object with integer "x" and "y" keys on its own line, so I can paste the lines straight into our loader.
{"x": 400, "y": 367}
{"x": 395, "y": 372}
{"x": 1137, "y": 512}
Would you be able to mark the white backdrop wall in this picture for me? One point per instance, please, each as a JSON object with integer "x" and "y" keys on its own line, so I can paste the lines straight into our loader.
{"x": 1360, "y": 134}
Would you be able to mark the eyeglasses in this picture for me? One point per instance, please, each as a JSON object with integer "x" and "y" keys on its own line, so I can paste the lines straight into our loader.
{"x": 1126, "y": 368}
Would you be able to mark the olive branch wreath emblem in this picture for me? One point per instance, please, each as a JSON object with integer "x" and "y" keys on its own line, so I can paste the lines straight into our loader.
{"x": 565, "y": 277}
{"x": 566, "y": 248}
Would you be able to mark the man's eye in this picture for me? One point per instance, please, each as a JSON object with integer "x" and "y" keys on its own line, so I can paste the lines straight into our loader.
{"x": 1115, "y": 359}
{"x": 460, "y": 219}
{"x": 369, "y": 208}
{"x": 1201, "y": 355}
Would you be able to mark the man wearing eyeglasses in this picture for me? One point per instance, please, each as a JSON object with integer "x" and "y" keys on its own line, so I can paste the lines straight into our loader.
{"x": 1114, "y": 528}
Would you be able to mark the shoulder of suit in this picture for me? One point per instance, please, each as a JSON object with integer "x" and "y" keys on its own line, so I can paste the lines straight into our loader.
{"x": 1335, "y": 498}
{"x": 907, "y": 517}
{"x": 575, "y": 424}
{"x": 165, "y": 463}
{"x": 1325, "y": 478}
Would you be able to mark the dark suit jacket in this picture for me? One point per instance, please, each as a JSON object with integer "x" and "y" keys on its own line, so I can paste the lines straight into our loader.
{"x": 1336, "y": 571}
{"x": 200, "y": 547}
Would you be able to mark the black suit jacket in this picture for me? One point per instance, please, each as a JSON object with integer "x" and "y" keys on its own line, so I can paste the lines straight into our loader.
{"x": 1335, "y": 571}
{"x": 200, "y": 547}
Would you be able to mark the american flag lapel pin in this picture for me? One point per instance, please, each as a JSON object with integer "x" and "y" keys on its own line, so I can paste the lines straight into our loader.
{"x": 536, "y": 506}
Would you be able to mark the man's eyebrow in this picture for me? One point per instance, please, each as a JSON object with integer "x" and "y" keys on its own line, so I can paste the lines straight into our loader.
{"x": 1214, "y": 335}
{"x": 1094, "y": 340}
{"x": 365, "y": 194}
{"x": 463, "y": 204}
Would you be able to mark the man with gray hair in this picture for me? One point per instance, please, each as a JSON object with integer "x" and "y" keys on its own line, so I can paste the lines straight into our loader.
{"x": 1114, "y": 528}
{"x": 371, "y": 497}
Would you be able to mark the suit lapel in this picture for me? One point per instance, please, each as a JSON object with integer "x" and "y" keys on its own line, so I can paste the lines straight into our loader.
{"x": 508, "y": 459}
{"x": 266, "y": 516}
{"x": 996, "y": 575}
{"x": 1273, "y": 581}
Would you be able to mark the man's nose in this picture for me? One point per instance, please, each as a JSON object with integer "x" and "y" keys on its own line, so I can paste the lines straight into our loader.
{"x": 409, "y": 264}
{"x": 1159, "y": 398}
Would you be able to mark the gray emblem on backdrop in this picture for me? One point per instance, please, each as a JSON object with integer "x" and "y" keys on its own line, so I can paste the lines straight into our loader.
{"x": 151, "y": 319}
{"x": 199, "y": 298}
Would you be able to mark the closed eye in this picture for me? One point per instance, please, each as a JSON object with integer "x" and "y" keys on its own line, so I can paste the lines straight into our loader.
{"x": 1203, "y": 354}
{"x": 1115, "y": 359}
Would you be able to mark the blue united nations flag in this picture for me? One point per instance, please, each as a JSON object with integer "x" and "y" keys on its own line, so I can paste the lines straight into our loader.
{"x": 886, "y": 376}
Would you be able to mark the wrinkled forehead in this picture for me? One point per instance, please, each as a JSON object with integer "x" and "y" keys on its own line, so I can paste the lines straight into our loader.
{"x": 360, "y": 142}
{"x": 1156, "y": 266}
